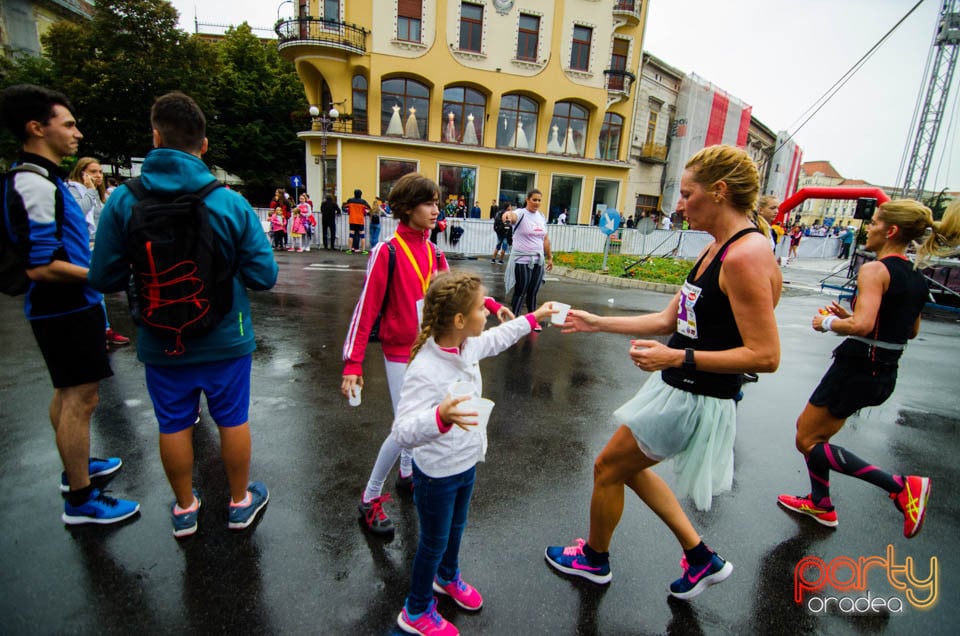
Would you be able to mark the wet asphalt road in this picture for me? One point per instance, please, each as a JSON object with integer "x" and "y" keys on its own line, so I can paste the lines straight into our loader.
{"x": 307, "y": 568}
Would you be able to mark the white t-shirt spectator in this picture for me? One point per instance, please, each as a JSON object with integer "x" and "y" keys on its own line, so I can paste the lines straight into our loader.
{"x": 666, "y": 223}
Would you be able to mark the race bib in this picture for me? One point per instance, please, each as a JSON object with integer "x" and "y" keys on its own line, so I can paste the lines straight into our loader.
{"x": 686, "y": 316}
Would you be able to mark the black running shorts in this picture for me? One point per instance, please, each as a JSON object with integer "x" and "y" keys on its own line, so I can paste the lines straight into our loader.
{"x": 851, "y": 384}
{"x": 74, "y": 346}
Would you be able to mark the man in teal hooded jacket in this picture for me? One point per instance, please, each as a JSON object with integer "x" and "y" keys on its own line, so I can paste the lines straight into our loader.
{"x": 217, "y": 364}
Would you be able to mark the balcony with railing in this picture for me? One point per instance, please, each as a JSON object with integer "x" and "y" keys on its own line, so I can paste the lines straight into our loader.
{"x": 319, "y": 32}
{"x": 628, "y": 10}
{"x": 653, "y": 153}
{"x": 618, "y": 81}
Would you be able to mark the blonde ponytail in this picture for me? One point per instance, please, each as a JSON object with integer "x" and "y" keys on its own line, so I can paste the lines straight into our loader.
{"x": 944, "y": 238}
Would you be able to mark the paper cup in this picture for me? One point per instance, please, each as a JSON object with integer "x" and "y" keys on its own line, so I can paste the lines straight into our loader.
{"x": 561, "y": 316}
{"x": 354, "y": 398}
{"x": 463, "y": 389}
{"x": 483, "y": 407}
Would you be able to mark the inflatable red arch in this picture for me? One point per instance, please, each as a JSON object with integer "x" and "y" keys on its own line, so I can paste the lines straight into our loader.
{"x": 829, "y": 192}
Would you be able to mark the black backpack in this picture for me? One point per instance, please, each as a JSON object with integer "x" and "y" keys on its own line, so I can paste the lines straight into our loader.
{"x": 182, "y": 284}
{"x": 498, "y": 223}
{"x": 13, "y": 249}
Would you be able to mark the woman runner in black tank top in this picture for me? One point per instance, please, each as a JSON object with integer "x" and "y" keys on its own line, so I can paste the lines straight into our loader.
{"x": 886, "y": 314}
{"x": 722, "y": 324}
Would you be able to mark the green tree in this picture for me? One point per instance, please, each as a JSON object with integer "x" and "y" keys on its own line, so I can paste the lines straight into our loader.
{"x": 938, "y": 204}
{"x": 21, "y": 70}
{"x": 257, "y": 109}
{"x": 113, "y": 67}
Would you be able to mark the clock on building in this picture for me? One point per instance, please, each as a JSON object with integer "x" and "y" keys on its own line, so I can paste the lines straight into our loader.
{"x": 503, "y": 6}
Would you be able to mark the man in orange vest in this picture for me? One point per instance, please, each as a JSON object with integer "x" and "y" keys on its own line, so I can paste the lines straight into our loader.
{"x": 357, "y": 209}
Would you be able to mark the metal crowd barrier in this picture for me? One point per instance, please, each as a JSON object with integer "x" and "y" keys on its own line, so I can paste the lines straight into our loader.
{"x": 478, "y": 239}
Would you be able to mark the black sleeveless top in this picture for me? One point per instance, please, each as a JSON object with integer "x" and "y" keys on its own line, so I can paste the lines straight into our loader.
{"x": 705, "y": 322}
{"x": 899, "y": 308}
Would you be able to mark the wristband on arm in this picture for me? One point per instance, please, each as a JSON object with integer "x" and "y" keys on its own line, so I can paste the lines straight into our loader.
{"x": 827, "y": 324}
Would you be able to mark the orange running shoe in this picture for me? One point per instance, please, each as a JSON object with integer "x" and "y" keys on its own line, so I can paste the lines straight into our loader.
{"x": 805, "y": 506}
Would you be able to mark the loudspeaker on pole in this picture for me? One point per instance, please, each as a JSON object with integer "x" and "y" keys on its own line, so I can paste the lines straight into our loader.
{"x": 865, "y": 208}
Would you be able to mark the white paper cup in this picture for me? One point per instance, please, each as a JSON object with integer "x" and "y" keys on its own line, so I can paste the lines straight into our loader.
{"x": 483, "y": 407}
{"x": 354, "y": 398}
{"x": 464, "y": 389}
{"x": 561, "y": 316}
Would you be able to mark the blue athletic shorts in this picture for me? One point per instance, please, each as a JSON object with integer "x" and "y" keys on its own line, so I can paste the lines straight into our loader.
{"x": 175, "y": 391}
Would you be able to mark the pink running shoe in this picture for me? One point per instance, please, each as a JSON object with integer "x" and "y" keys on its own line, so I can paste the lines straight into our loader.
{"x": 912, "y": 502}
{"x": 805, "y": 506}
{"x": 430, "y": 623}
{"x": 463, "y": 594}
{"x": 113, "y": 338}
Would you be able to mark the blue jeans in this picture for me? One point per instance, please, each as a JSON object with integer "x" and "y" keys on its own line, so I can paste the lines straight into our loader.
{"x": 442, "y": 506}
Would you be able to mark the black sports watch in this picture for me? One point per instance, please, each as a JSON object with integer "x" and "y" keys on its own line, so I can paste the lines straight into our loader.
{"x": 689, "y": 364}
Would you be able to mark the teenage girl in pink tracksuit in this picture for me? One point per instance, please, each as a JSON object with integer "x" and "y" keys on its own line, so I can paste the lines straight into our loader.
{"x": 416, "y": 261}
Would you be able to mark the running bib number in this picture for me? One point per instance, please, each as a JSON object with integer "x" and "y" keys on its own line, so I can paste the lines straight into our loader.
{"x": 686, "y": 316}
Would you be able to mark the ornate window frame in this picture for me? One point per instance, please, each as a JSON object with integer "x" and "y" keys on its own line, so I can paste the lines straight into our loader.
{"x": 529, "y": 64}
{"x": 408, "y": 45}
{"x": 484, "y": 28}
{"x": 591, "y": 59}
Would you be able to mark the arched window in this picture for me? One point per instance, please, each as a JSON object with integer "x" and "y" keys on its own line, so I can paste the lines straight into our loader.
{"x": 517, "y": 126}
{"x": 404, "y": 108}
{"x": 568, "y": 129}
{"x": 464, "y": 111}
{"x": 359, "y": 102}
{"x": 608, "y": 145}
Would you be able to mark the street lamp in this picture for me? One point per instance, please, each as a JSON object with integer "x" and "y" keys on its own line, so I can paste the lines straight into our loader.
{"x": 280, "y": 5}
{"x": 323, "y": 122}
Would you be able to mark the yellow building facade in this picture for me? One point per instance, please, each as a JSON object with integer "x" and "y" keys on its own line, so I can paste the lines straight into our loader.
{"x": 489, "y": 98}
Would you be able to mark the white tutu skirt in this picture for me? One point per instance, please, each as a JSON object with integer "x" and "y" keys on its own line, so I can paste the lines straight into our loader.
{"x": 696, "y": 431}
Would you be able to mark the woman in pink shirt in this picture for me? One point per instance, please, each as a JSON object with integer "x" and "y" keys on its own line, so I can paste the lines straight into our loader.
{"x": 530, "y": 256}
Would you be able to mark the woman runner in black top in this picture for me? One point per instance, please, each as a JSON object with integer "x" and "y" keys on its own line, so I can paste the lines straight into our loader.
{"x": 722, "y": 325}
{"x": 886, "y": 313}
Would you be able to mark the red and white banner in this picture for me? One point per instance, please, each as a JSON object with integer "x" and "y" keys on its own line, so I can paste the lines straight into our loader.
{"x": 784, "y": 168}
{"x": 706, "y": 116}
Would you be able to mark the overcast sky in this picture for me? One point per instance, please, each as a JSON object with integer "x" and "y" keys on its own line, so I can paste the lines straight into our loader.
{"x": 779, "y": 56}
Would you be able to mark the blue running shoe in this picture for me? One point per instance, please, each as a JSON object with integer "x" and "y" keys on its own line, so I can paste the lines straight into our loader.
{"x": 571, "y": 560}
{"x": 185, "y": 523}
{"x": 98, "y": 468}
{"x": 242, "y": 516}
{"x": 99, "y": 508}
{"x": 696, "y": 579}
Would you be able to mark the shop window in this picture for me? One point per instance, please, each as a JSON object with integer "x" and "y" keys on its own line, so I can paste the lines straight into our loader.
{"x": 404, "y": 108}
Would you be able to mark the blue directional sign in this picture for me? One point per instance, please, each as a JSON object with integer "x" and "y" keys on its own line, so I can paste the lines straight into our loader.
{"x": 609, "y": 221}
{"x": 296, "y": 182}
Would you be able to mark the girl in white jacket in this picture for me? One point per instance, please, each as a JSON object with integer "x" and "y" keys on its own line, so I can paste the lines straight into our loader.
{"x": 446, "y": 447}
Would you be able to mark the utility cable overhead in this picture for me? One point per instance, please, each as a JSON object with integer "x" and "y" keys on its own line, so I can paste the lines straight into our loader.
{"x": 833, "y": 90}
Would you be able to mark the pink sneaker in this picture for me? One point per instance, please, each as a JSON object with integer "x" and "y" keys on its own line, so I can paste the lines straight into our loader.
{"x": 911, "y": 501}
{"x": 464, "y": 594}
{"x": 430, "y": 623}
{"x": 805, "y": 506}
